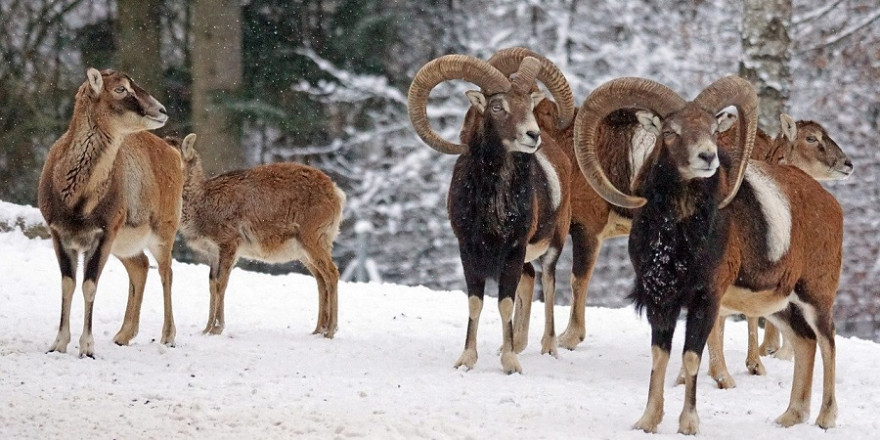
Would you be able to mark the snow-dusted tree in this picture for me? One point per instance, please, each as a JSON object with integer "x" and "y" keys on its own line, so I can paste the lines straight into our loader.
{"x": 836, "y": 72}
{"x": 394, "y": 183}
{"x": 39, "y": 75}
{"x": 217, "y": 80}
{"x": 139, "y": 42}
{"x": 765, "y": 61}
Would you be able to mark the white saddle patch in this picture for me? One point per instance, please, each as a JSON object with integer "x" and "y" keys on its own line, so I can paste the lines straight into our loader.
{"x": 775, "y": 207}
{"x": 643, "y": 140}
{"x": 552, "y": 179}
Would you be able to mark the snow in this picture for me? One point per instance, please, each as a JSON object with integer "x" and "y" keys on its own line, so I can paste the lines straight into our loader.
{"x": 22, "y": 215}
{"x": 387, "y": 374}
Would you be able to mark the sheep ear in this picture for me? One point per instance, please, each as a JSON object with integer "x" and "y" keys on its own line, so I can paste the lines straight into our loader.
{"x": 649, "y": 121}
{"x": 477, "y": 99}
{"x": 96, "y": 81}
{"x": 187, "y": 147}
{"x": 537, "y": 97}
{"x": 725, "y": 120}
{"x": 788, "y": 126}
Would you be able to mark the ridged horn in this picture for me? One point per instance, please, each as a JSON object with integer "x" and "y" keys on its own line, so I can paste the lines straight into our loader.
{"x": 508, "y": 61}
{"x": 735, "y": 91}
{"x": 445, "y": 68}
{"x": 614, "y": 95}
{"x": 524, "y": 79}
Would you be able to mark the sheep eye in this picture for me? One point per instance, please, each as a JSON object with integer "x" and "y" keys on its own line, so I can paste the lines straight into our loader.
{"x": 811, "y": 139}
{"x": 668, "y": 133}
{"x": 497, "y": 107}
{"x": 119, "y": 90}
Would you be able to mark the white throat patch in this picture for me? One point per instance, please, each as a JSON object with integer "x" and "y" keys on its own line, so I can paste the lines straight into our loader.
{"x": 774, "y": 206}
{"x": 552, "y": 179}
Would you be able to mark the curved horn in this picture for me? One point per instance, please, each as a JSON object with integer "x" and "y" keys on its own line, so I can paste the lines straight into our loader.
{"x": 442, "y": 69}
{"x": 614, "y": 95}
{"x": 736, "y": 91}
{"x": 508, "y": 61}
{"x": 524, "y": 79}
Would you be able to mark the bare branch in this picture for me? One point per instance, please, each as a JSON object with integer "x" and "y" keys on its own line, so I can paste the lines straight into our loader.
{"x": 814, "y": 14}
{"x": 844, "y": 34}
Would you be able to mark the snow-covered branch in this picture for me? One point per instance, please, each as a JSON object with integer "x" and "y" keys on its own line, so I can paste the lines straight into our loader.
{"x": 351, "y": 87}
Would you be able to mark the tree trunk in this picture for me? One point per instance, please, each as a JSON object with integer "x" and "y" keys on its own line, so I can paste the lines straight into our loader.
{"x": 765, "y": 61}
{"x": 139, "y": 41}
{"x": 217, "y": 78}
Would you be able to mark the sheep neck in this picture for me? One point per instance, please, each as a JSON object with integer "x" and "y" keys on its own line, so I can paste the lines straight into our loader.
{"x": 675, "y": 253}
{"x": 193, "y": 190}
{"x": 491, "y": 205}
{"x": 88, "y": 157}
{"x": 502, "y": 186}
{"x": 769, "y": 150}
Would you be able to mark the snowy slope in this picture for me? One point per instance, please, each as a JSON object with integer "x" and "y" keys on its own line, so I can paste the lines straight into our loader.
{"x": 388, "y": 373}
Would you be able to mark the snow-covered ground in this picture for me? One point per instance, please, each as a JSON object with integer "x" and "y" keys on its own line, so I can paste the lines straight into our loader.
{"x": 388, "y": 373}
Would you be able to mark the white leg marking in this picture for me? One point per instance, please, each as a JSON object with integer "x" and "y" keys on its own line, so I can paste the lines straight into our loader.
{"x": 509, "y": 362}
{"x": 68, "y": 285}
{"x": 86, "y": 340}
{"x": 653, "y": 414}
{"x": 689, "y": 421}
{"x": 469, "y": 356}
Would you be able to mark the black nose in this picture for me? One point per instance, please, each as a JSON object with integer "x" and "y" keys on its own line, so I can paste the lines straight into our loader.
{"x": 707, "y": 156}
{"x": 848, "y": 163}
{"x": 162, "y": 110}
{"x": 533, "y": 134}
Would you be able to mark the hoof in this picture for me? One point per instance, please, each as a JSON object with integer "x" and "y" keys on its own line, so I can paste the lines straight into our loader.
{"x": 647, "y": 424}
{"x": 215, "y": 327}
{"x": 827, "y": 417}
{"x": 791, "y": 417}
{"x": 510, "y": 363}
{"x": 467, "y": 359}
{"x": 58, "y": 346}
{"x": 689, "y": 424}
{"x": 168, "y": 341}
{"x": 571, "y": 338}
{"x": 125, "y": 334}
{"x": 87, "y": 347}
{"x": 121, "y": 339}
{"x": 757, "y": 369}
{"x": 548, "y": 346}
{"x": 87, "y": 352}
{"x": 724, "y": 381}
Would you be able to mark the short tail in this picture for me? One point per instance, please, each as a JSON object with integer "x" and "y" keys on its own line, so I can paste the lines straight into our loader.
{"x": 332, "y": 230}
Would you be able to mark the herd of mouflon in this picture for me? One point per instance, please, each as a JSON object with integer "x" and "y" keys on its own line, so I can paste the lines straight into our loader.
{"x": 722, "y": 218}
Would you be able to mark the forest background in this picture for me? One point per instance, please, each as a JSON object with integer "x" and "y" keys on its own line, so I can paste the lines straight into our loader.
{"x": 324, "y": 82}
